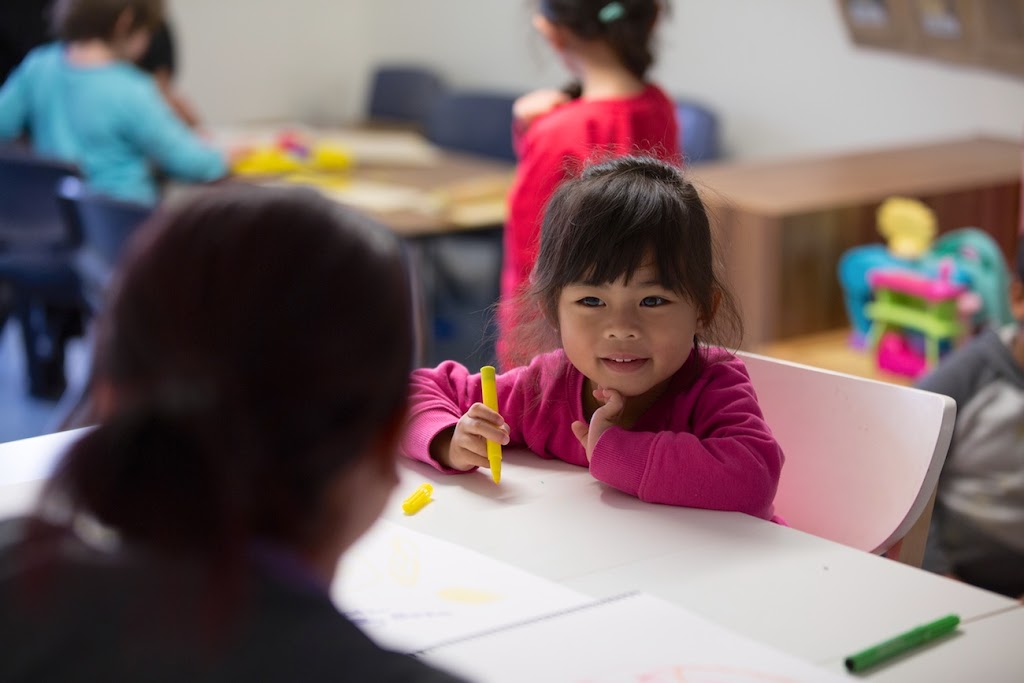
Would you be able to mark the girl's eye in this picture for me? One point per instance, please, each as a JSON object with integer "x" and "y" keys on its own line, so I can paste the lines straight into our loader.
{"x": 590, "y": 301}
{"x": 653, "y": 301}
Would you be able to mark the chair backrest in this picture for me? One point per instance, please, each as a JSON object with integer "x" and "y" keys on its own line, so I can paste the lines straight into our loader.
{"x": 29, "y": 215}
{"x": 104, "y": 224}
{"x": 698, "y": 132}
{"x": 475, "y": 122}
{"x": 862, "y": 457}
{"x": 403, "y": 93}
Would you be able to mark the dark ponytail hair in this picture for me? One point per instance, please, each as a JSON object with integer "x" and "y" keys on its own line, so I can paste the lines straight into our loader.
{"x": 627, "y": 28}
{"x": 257, "y": 341}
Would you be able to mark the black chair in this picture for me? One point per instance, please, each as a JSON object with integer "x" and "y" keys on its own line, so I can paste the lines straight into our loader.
{"x": 475, "y": 122}
{"x": 403, "y": 94}
{"x": 38, "y": 283}
{"x": 104, "y": 225}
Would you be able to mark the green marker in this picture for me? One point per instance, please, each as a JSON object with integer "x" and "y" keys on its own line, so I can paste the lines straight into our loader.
{"x": 905, "y": 641}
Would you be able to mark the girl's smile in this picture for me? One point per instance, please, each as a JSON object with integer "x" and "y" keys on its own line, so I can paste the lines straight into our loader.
{"x": 628, "y": 336}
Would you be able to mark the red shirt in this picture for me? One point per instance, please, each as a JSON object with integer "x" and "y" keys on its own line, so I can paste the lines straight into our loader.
{"x": 556, "y": 146}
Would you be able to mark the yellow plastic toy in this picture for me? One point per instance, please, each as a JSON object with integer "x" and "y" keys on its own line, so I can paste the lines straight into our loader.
{"x": 908, "y": 227}
{"x": 289, "y": 155}
{"x": 266, "y": 161}
{"x": 328, "y": 157}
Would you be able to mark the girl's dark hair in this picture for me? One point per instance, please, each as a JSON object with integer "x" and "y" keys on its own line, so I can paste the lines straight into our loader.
{"x": 257, "y": 340}
{"x": 604, "y": 225}
{"x": 88, "y": 19}
{"x": 627, "y": 28}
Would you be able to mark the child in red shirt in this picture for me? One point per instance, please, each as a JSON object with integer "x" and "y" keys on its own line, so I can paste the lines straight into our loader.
{"x": 615, "y": 111}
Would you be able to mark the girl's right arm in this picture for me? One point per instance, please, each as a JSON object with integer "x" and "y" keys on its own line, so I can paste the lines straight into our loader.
{"x": 162, "y": 136}
{"x": 448, "y": 423}
{"x": 536, "y": 103}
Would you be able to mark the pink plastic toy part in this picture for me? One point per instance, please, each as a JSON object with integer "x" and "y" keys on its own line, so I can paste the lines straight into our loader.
{"x": 896, "y": 355}
{"x": 917, "y": 284}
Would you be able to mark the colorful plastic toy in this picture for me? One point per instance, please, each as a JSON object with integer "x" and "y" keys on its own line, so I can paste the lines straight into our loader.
{"x": 909, "y": 227}
{"x": 292, "y": 152}
{"x": 912, "y": 310}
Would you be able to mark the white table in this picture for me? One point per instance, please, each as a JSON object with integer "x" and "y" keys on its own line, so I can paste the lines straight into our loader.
{"x": 812, "y": 598}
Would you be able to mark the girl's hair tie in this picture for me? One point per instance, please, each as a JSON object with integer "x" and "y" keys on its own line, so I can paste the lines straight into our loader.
{"x": 611, "y": 12}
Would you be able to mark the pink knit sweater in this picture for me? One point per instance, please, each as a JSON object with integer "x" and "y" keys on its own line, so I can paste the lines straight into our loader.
{"x": 703, "y": 444}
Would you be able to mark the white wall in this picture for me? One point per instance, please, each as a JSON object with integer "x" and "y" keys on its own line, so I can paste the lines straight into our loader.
{"x": 783, "y": 74}
{"x": 258, "y": 60}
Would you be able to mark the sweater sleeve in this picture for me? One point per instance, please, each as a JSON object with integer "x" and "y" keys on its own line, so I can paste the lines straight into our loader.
{"x": 163, "y": 137}
{"x": 725, "y": 458}
{"x": 13, "y": 105}
{"x": 439, "y": 397}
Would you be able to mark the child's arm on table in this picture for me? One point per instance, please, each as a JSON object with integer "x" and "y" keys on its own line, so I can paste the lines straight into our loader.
{"x": 729, "y": 461}
{"x": 448, "y": 424}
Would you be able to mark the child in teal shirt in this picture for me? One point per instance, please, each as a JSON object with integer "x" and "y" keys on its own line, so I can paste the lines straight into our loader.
{"x": 82, "y": 100}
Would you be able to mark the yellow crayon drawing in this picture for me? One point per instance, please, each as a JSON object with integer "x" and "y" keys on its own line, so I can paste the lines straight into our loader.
{"x": 468, "y": 596}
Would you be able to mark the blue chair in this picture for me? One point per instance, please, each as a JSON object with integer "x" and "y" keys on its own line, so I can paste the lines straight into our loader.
{"x": 39, "y": 283}
{"x": 403, "y": 94}
{"x": 475, "y": 122}
{"x": 104, "y": 225}
{"x": 698, "y": 132}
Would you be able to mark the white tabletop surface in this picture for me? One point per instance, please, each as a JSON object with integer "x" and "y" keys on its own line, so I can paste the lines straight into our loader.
{"x": 807, "y": 596}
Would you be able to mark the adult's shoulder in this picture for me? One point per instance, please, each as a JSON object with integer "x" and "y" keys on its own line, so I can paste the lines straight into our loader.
{"x": 332, "y": 648}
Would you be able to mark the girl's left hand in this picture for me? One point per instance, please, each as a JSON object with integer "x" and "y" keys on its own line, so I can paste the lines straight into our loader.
{"x": 537, "y": 103}
{"x": 604, "y": 417}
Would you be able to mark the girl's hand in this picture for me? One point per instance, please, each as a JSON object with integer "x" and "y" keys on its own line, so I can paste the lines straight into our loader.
{"x": 604, "y": 417}
{"x": 537, "y": 103}
{"x": 465, "y": 446}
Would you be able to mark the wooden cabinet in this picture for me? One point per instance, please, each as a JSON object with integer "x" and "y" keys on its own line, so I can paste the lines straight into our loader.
{"x": 783, "y": 225}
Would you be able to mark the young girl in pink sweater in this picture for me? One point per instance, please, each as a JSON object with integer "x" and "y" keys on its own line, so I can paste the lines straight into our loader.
{"x": 637, "y": 390}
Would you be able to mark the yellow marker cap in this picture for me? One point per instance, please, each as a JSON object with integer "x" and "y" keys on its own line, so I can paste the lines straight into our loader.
{"x": 490, "y": 392}
{"x": 418, "y": 499}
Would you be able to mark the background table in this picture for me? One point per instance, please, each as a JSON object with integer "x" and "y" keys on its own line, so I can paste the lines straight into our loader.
{"x": 449, "y": 207}
{"x": 784, "y": 224}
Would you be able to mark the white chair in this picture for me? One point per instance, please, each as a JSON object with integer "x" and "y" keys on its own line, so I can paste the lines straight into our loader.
{"x": 862, "y": 457}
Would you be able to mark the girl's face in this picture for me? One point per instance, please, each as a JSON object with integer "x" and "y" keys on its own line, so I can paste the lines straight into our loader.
{"x": 628, "y": 337}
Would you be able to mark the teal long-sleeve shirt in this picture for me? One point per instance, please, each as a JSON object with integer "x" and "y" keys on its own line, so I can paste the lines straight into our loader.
{"x": 110, "y": 120}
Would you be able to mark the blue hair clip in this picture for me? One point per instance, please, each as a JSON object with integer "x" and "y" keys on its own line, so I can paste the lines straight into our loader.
{"x": 611, "y": 12}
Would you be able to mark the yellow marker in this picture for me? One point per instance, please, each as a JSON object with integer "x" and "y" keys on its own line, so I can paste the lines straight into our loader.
{"x": 418, "y": 499}
{"x": 490, "y": 391}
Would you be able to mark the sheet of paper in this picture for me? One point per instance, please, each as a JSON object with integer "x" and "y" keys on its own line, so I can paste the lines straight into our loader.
{"x": 384, "y": 147}
{"x": 632, "y": 639}
{"x": 367, "y": 195}
{"x": 410, "y": 591}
